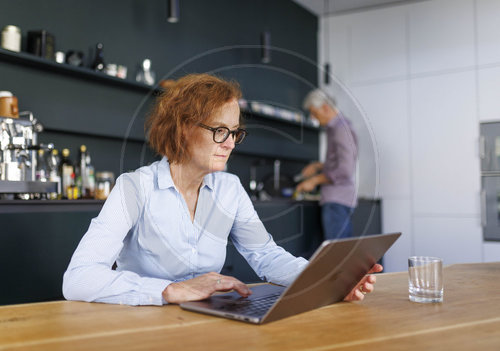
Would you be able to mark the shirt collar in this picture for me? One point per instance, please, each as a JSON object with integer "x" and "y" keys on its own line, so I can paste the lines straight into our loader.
{"x": 334, "y": 121}
{"x": 208, "y": 181}
{"x": 165, "y": 177}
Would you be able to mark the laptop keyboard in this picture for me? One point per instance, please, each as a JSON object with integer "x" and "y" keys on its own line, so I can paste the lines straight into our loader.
{"x": 254, "y": 307}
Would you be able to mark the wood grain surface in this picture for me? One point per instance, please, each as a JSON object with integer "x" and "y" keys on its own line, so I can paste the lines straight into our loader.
{"x": 468, "y": 319}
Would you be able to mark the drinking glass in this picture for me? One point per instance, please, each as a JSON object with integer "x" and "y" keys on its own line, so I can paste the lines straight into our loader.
{"x": 425, "y": 279}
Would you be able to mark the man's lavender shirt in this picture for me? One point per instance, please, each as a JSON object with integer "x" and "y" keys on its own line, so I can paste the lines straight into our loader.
{"x": 340, "y": 163}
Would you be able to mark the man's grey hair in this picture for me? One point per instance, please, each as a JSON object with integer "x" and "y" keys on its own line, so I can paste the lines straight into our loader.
{"x": 316, "y": 98}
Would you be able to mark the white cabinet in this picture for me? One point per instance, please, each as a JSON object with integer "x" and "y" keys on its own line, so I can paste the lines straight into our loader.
{"x": 336, "y": 43}
{"x": 378, "y": 44}
{"x": 491, "y": 252}
{"x": 412, "y": 68}
{"x": 488, "y": 31}
{"x": 441, "y": 35}
{"x": 444, "y": 134}
{"x": 456, "y": 240}
{"x": 387, "y": 115}
{"x": 397, "y": 217}
{"x": 489, "y": 86}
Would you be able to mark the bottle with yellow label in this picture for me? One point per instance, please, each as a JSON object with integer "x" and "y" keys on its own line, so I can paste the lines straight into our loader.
{"x": 66, "y": 171}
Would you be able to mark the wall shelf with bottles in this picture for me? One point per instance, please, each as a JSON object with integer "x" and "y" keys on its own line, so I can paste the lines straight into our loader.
{"x": 259, "y": 110}
{"x": 30, "y": 60}
{"x": 276, "y": 113}
{"x": 276, "y": 132}
{"x": 279, "y": 119}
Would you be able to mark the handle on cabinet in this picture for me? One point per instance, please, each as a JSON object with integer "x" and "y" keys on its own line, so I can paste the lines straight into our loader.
{"x": 482, "y": 147}
{"x": 483, "y": 208}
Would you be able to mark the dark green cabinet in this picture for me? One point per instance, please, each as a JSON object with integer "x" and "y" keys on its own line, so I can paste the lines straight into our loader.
{"x": 37, "y": 240}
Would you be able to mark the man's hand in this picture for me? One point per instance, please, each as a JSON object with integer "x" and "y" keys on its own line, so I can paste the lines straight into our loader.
{"x": 306, "y": 186}
{"x": 202, "y": 287}
{"x": 365, "y": 285}
{"x": 312, "y": 169}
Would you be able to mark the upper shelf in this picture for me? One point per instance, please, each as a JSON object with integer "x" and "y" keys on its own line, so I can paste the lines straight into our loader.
{"x": 247, "y": 107}
{"x": 277, "y": 113}
{"x": 279, "y": 119}
{"x": 81, "y": 72}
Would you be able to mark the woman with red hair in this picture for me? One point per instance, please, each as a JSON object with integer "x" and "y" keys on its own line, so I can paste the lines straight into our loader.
{"x": 166, "y": 225}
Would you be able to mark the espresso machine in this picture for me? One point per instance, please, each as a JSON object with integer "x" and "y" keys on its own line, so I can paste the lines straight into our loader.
{"x": 18, "y": 156}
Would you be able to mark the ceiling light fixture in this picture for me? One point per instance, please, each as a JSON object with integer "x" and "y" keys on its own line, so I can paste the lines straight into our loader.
{"x": 173, "y": 11}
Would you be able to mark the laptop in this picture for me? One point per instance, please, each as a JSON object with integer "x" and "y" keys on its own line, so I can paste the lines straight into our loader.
{"x": 333, "y": 271}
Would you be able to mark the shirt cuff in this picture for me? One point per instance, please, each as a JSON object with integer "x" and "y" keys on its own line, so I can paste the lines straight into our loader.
{"x": 151, "y": 291}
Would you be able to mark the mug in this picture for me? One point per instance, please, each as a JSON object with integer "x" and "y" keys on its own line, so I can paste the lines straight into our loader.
{"x": 8, "y": 105}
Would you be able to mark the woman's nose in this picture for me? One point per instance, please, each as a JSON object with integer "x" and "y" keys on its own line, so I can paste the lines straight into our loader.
{"x": 229, "y": 142}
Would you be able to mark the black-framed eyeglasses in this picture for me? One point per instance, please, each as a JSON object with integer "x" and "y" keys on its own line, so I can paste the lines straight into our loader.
{"x": 222, "y": 133}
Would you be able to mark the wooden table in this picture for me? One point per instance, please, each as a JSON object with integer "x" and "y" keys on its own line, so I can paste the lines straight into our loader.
{"x": 468, "y": 319}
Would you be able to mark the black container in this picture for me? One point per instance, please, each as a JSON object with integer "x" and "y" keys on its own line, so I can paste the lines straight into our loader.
{"x": 41, "y": 43}
{"x": 75, "y": 58}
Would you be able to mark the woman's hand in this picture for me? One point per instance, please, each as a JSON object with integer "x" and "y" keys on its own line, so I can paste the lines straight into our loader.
{"x": 202, "y": 287}
{"x": 365, "y": 285}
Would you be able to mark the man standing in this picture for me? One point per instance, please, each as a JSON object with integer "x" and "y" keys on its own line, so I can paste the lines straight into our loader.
{"x": 336, "y": 175}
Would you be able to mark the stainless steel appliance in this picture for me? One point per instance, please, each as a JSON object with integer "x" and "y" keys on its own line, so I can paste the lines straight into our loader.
{"x": 18, "y": 147}
{"x": 490, "y": 179}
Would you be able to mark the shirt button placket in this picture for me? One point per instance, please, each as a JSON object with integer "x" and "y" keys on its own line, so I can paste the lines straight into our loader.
{"x": 194, "y": 251}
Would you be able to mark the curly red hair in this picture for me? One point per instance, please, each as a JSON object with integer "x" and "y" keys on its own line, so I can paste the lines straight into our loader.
{"x": 186, "y": 102}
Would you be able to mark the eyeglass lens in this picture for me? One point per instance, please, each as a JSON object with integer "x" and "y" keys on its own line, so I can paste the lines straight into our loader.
{"x": 222, "y": 133}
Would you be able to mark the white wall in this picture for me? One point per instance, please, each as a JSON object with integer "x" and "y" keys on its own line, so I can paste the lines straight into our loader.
{"x": 422, "y": 76}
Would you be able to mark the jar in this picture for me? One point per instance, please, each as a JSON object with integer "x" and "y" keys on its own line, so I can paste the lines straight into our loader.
{"x": 60, "y": 57}
{"x": 121, "y": 72}
{"x": 104, "y": 184}
{"x": 111, "y": 69}
{"x": 11, "y": 38}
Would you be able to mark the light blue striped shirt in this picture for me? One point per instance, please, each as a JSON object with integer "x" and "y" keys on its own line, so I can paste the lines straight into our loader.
{"x": 145, "y": 226}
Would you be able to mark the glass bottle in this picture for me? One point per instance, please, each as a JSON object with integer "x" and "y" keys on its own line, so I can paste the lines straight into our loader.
{"x": 104, "y": 184}
{"x": 98, "y": 64}
{"x": 66, "y": 170}
{"x": 73, "y": 190}
{"x": 41, "y": 172}
{"x": 81, "y": 170}
{"x": 54, "y": 175}
{"x": 145, "y": 74}
{"x": 90, "y": 191}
